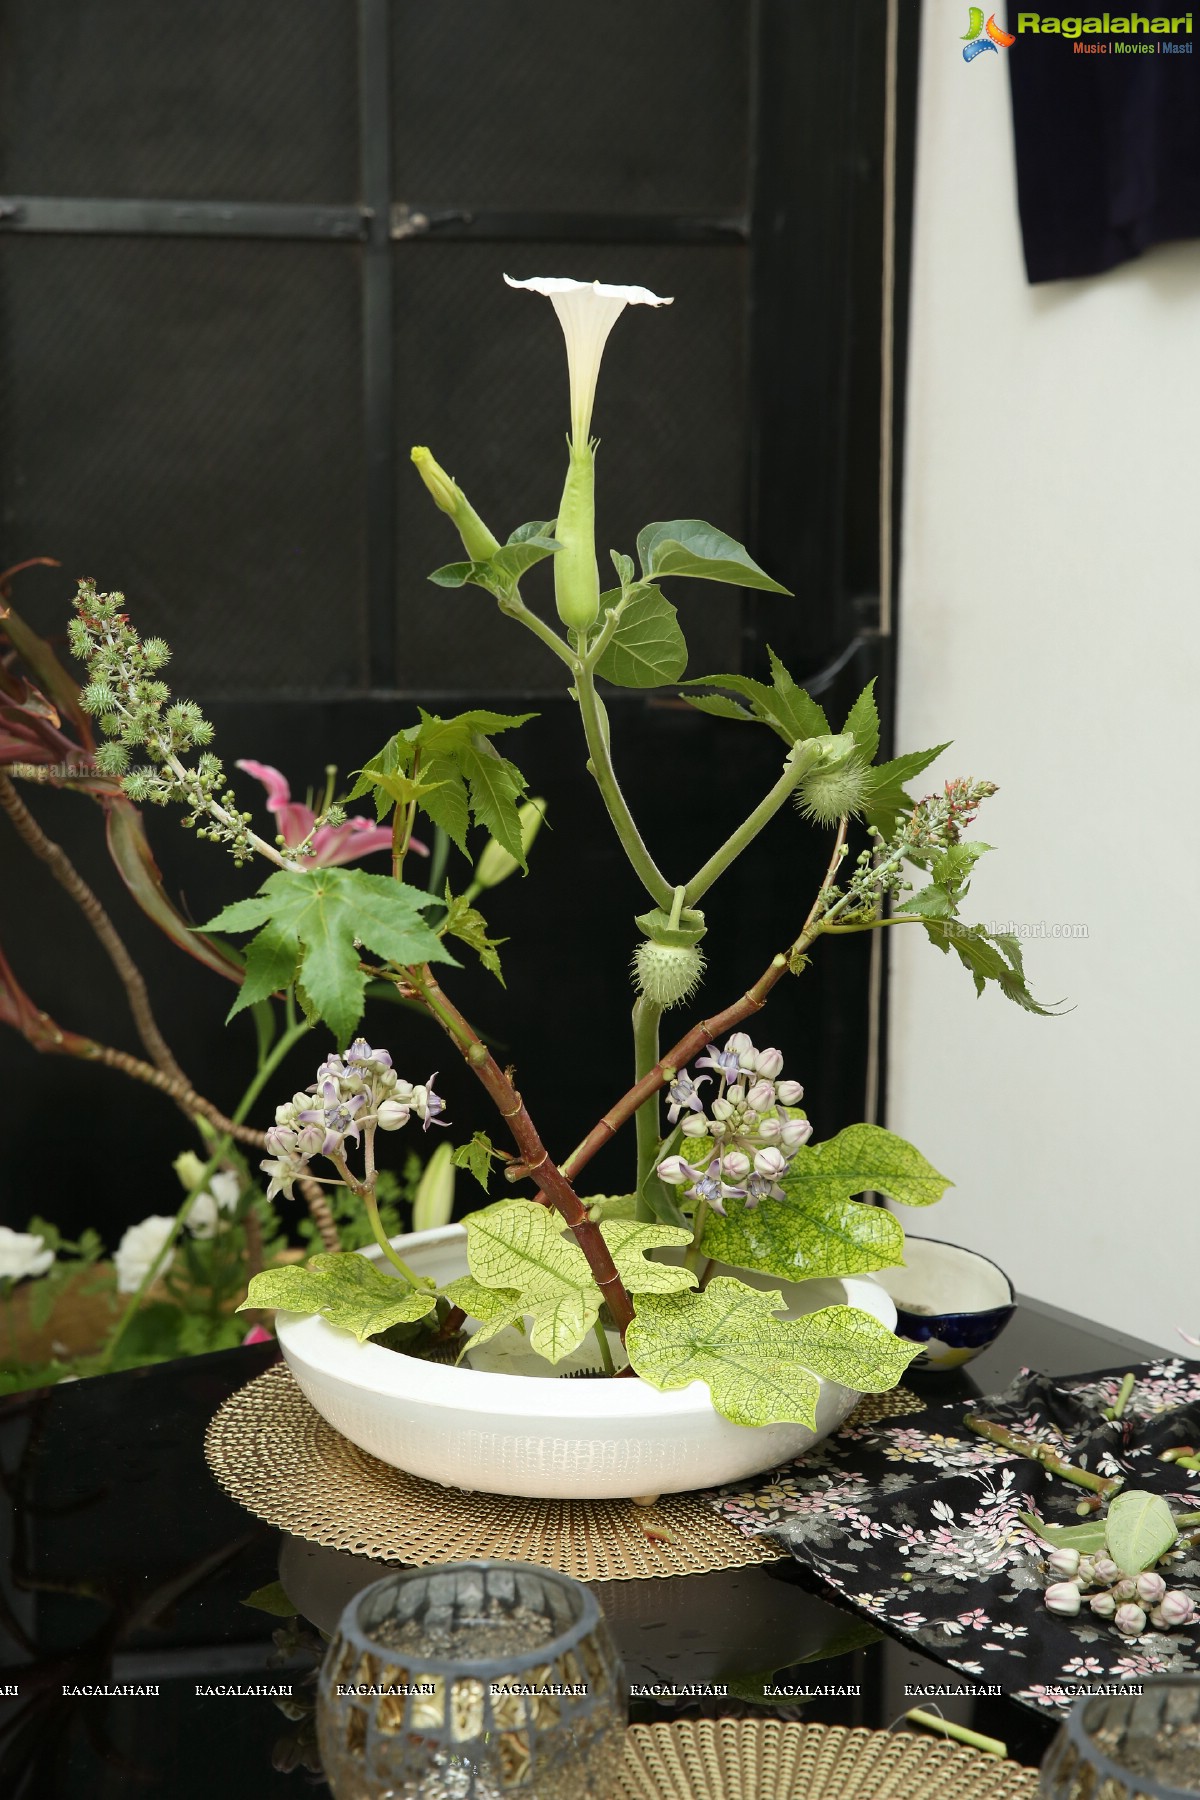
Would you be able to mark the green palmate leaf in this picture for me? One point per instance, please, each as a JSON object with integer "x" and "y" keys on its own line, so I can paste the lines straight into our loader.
{"x": 477, "y": 1156}
{"x": 759, "y": 1369}
{"x": 784, "y": 706}
{"x": 324, "y": 915}
{"x": 345, "y": 1288}
{"x": 463, "y": 921}
{"x": 495, "y": 1309}
{"x": 862, "y": 723}
{"x": 1139, "y": 1529}
{"x": 885, "y": 801}
{"x": 647, "y": 647}
{"x": 863, "y": 1159}
{"x": 495, "y": 786}
{"x": 1088, "y": 1539}
{"x": 690, "y": 547}
{"x": 801, "y": 1241}
{"x": 993, "y": 956}
{"x": 270, "y": 966}
{"x": 460, "y": 773}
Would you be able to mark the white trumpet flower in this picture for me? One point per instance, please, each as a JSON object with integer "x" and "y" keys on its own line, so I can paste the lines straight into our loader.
{"x": 587, "y": 312}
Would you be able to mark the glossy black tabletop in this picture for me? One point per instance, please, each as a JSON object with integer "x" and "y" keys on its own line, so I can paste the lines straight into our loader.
{"x": 125, "y": 1566}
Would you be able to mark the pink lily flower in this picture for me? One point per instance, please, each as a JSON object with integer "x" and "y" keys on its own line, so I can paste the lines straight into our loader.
{"x": 332, "y": 843}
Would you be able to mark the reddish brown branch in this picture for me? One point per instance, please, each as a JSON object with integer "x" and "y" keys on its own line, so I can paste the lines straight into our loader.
{"x": 534, "y": 1155}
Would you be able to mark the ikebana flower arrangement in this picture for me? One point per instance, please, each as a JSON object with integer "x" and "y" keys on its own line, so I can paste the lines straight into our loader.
{"x": 724, "y": 1178}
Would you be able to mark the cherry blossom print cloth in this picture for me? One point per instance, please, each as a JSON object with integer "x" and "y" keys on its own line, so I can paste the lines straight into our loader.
{"x": 914, "y": 1524}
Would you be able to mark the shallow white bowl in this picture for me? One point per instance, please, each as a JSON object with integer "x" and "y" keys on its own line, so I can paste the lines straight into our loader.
{"x": 512, "y": 1433}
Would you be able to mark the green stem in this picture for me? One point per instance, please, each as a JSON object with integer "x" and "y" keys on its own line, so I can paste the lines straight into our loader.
{"x": 600, "y": 765}
{"x": 371, "y": 1205}
{"x": 1041, "y": 1453}
{"x": 960, "y": 1733}
{"x": 267, "y": 1067}
{"x": 1117, "y": 1409}
{"x": 693, "y": 1255}
{"x": 517, "y": 609}
{"x": 748, "y": 830}
{"x": 606, "y": 1355}
{"x": 646, "y": 1120}
{"x": 437, "y": 861}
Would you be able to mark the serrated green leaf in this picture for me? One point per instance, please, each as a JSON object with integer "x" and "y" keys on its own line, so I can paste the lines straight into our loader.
{"x": 647, "y": 648}
{"x": 690, "y": 547}
{"x": 800, "y": 1241}
{"x": 345, "y": 1288}
{"x": 477, "y": 1156}
{"x": 932, "y": 902}
{"x": 271, "y": 960}
{"x": 1139, "y": 1529}
{"x": 988, "y": 956}
{"x": 495, "y": 787}
{"x": 884, "y": 798}
{"x": 448, "y": 806}
{"x": 464, "y": 921}
{"x": 718, "y": 706}
{"x": 862, "y": 723}
{"x": 329, "y": 913}
{"x": 785, "y": 707}
{"x": 729, "y": 1338}
{"x": 241, "y": 915}
{"x": 863, "y": 1159}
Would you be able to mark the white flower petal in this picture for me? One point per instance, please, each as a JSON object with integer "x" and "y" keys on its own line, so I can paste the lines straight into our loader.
{"x": 587, "y": 312}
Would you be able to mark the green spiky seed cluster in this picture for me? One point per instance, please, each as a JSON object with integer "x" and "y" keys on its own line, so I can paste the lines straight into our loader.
{"x": 667, "y": 974}
{"x": 135, "y": 711}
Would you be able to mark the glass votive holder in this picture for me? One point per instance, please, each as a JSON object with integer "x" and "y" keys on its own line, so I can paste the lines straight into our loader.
{"x": 1137, "y": 1746}
{"x": 472, "y": 1681}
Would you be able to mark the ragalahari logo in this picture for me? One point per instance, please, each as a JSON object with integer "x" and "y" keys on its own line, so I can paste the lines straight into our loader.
{"x": 980, "y": 37}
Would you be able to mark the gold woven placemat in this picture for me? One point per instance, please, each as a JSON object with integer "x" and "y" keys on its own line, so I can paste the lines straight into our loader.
{"x": 766, "y": 1759}
{"x": 276, "y": 1456}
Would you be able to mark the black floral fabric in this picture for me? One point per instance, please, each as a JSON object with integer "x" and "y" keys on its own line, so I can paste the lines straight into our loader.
{"x": 913, "y": 1522}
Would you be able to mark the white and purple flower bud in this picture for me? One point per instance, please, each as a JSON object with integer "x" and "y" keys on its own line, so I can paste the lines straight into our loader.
{"x": 771, "y": 1163}
{"x": 675, "y": 1171}
{"x": 789, "y": 1093}
{"x": 736, "y": 1165}
{"x": 1125, "y": 1589}
{"x": 738, "y": 1044}
{"x": 695, "y": 1126}
{"x": 309, "y": 1140}
{"x": 281, "y": 1140}
{"x": 1087, "y": 1570}
{"x": 1150, "y": 1588}
{"x": 769, "y": 1063}
{"x": 1106, "y": 1569}
{"x": 1064, "y": 1562}
{"x": 1130, "y": 1620}
{"x": 392, "y": 1115}
{"x": 794, "y": 1133}
{"x": 1174, "y": 1609}
{"x": 736, "y": 1095}
{"x": 770, "y": 1131}
{"x": 1063, "y": 1597}
{"x": 761, "y": 1097}
{"x": 286, "y": 1114}
{"x": 1103, "y": 1605}
{"x": 722, "y": 1110}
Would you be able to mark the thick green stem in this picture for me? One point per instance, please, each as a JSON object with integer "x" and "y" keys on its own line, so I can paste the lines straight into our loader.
{"x": 749, "y": 829}
{"x": 371, "y": 1206}
{"x": 600, "y": 765}
{"x": 960, "y": 1733}
{"x": 647, "y": 1122}
{"x": 515, "y": 608}
{"x": 606, "y": 1355}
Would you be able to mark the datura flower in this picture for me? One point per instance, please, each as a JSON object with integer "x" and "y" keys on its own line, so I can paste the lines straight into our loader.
{"x": 587, "y": 312}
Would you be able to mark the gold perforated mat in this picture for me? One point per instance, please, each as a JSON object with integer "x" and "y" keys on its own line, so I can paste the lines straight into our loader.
{"x": 766, "y": 1759}
{"x": 278, "y": 1458}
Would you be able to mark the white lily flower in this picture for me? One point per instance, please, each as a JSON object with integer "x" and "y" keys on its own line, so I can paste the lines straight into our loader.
{"x": 587, "y": 312}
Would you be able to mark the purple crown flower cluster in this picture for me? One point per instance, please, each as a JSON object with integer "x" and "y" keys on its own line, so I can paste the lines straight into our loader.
{"x": 358, "y": 1091}
{"x": 746, "y": 1139}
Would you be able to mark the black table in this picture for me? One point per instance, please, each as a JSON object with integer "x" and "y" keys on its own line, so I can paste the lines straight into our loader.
{"x": 122, "y": 1562}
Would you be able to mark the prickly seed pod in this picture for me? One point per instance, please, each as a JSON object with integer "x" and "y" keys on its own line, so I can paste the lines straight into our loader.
{"x": 835, "y": 784}
{"x": 667, "y": 974}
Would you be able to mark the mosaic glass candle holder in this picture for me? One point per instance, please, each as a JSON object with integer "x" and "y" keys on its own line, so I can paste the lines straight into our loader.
{"x": 1139, "y": 1746}
{"x": 475, "y": 1681}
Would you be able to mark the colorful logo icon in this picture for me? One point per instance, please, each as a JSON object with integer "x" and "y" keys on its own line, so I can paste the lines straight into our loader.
{"x": 980, "y": 37}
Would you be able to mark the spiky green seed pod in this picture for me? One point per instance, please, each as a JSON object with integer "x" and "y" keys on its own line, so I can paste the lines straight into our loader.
{"x": 836, "y": 786}
{"x": 667, "y": 974}
{"x": 97, "y": 697}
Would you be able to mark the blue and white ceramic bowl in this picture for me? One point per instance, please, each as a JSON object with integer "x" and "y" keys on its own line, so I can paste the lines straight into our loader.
{"x": 951, "y": 1301}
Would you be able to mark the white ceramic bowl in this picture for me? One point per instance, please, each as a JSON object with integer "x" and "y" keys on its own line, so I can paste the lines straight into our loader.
{"x": 513, "y": 1433}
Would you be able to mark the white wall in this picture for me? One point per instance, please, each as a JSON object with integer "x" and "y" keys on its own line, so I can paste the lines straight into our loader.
{"x": 1050, "y": 623}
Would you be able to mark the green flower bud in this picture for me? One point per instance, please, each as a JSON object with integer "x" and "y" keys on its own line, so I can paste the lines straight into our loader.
{"x": 576, "y": 577}
{"x": 667, "y": 974}
{"x": 836, "y": 784}
{"x": 189, "y": 1169}
{"x": 433, "y": 1201}
{"x": 478, "y": 541}
{"x": 496, "y": 863}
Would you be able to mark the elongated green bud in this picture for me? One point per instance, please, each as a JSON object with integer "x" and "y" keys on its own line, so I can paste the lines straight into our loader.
{"x": 576, "y": 577}
{"x": 433, "y": 1201}
{"x": 478, "y": 541}
{"x": 496, "y": 863}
